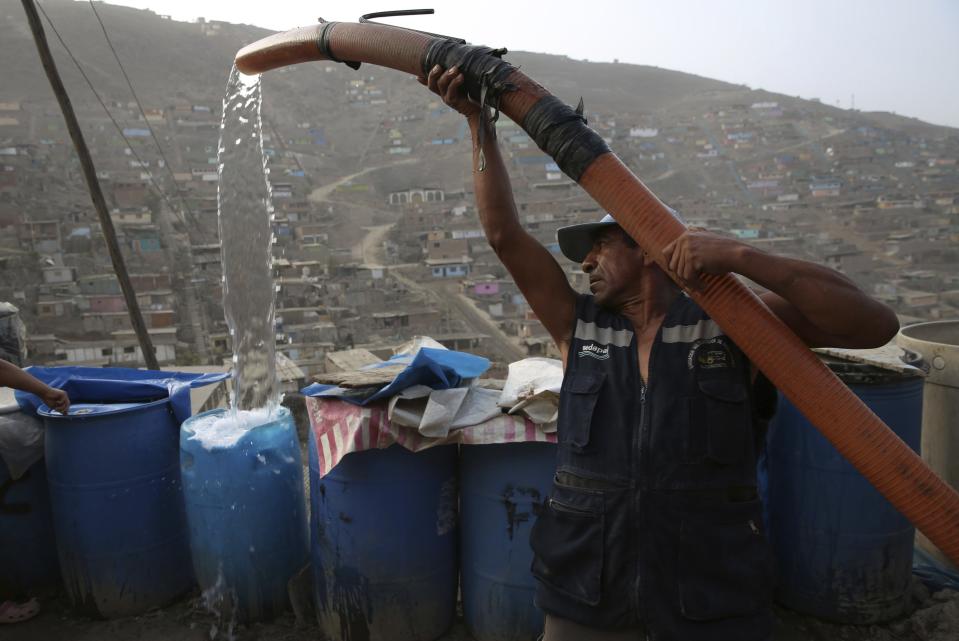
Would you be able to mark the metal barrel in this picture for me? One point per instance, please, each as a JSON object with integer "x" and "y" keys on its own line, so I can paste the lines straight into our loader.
{"x": 938, "y": 344}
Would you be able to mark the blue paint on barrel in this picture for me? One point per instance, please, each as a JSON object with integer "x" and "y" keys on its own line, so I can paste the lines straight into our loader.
{"x": 121, "y": 530}
{"x": 28, "y": 552}
{"x": 502, "y": 488}
{"x": 247, "y": 514}
{"x": 383, "y": 527}
{"x": 843, "y": 552}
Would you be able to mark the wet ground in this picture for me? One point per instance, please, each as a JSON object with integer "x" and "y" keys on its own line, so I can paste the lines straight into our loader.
{"x": 935, "y": 617}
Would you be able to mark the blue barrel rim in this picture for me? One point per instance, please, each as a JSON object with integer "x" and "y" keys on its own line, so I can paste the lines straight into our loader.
{"x": 117, "y": 408}
{"x": 278, "y": 415}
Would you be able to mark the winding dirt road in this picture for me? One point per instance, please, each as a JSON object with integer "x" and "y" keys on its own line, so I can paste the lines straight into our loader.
{"x": 320, "y": 194}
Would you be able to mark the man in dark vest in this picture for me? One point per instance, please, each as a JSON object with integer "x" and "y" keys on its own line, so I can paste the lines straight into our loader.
{"x": 653, "y": 529}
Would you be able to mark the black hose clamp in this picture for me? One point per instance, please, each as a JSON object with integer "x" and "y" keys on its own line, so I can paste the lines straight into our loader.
{"x": 323, "y": 42}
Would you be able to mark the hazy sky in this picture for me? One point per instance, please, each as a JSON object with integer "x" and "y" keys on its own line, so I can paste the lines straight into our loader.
{"x": 893, "y": 55}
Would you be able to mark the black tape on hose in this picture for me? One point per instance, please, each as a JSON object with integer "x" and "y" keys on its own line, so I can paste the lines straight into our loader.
{"x": 323, "y": 42}
{"x": 484, "y": 77}
{"x": 561, "y": 132}
{"x": 479, "y": 65}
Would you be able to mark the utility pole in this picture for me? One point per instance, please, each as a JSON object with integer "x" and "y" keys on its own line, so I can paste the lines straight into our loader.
{"x": 96, "y": 194}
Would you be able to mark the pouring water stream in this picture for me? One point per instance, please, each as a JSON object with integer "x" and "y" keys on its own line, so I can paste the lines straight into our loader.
{"x": 245, "y": 220}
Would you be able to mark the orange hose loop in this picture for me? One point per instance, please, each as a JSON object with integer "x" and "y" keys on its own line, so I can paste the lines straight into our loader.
{"x": 879, "y": 455}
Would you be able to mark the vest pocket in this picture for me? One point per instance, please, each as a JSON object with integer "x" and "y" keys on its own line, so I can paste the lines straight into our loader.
{"x": 567, "y": 543}
{"x": 577, "y": 402}
{"x": 725, "y": 566}
{"x": 719, "y": 423}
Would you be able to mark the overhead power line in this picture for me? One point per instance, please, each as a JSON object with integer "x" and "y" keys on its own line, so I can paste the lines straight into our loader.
{"x": 90, "y": 174}
{"x": 105, "y": 108}
{"x": 136, "y": 99}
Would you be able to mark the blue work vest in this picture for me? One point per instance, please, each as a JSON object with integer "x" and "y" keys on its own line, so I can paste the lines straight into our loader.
{"x": 653, "y": 519}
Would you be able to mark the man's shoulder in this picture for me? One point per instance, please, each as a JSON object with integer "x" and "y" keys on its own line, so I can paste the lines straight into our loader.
{"x": 588, "y": 309}
{"x": 685, "y": 310}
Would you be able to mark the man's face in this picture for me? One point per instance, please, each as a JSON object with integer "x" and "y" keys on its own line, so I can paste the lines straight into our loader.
{"x": 614, "y": 266}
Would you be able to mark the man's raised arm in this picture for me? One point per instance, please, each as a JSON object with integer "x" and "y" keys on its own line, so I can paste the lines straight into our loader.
{"x": 533, "y": 268}
{"x": 823, "y": 307}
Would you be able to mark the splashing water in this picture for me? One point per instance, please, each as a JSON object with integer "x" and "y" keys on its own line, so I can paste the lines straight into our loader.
{"x": 220, "y": 601}
{"x": 245, "y": 218}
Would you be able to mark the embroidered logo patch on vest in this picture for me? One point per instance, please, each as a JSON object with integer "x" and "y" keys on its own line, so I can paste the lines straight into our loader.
{"x": 595, "y": 351}
{"x": 710, "y": 353}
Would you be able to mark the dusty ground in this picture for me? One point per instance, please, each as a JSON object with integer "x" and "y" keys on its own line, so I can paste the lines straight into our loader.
{"x": 183, "y": 621}
{"x": 936, "y": 618}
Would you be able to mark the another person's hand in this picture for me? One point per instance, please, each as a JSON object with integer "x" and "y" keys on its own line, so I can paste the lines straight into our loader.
{"x": 696, "y": 253}
{"x": 448, "y": 85}
{"x": 56, "y": 399}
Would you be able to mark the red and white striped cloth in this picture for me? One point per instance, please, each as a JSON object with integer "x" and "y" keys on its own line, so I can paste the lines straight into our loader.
{"x": 340, "y": 428}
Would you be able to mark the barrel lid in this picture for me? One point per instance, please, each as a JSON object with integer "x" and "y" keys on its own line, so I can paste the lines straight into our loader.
{"x": 90, "y": 410}
{"x": 886, "y": 364}
{"x": 938, "y": 342}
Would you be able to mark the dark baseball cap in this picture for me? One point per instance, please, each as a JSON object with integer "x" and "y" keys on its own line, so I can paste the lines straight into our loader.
{"x": 576, "y": 241}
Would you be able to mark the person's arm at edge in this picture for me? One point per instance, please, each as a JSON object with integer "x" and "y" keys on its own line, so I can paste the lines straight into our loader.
{"x": 13, "y": 376}
{"x": 535, "y": 271}
{"x": 823, "y": 307}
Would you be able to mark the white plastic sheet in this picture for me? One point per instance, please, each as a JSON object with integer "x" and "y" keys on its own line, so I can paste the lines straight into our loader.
{"x": 435, "y": 413}
{"x": 532, "y": 389}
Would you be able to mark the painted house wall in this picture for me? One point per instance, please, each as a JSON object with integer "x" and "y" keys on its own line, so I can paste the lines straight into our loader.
{"x": 56, "y": 275}
{"x": 486, "y": 289}
{"x": 107, "y": 304}
{"x": 451, "y": 271}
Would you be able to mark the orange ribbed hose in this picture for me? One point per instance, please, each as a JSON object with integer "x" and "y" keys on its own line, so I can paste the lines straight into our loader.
{"x": 858, "y": 434}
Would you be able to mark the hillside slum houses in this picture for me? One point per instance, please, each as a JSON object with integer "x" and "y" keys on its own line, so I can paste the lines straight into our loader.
{"x": 56, "y": 269}
{"x": 877, "y": 202}
{"x": 832, "y": 202}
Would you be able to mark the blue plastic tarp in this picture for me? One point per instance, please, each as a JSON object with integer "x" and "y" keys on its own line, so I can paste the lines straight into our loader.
{"x": 118, "y": 385}
{"x": 435, "y": 368}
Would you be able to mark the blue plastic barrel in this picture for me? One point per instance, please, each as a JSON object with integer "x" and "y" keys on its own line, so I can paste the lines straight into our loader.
{"x": 383, "y": 527}
{"x": 843, "y": 552}
{"x": 121, "y": 531}
{"x": 247, "y": 514}
{"x": 28, "y": 553}
{"x": 502, "y": 488}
